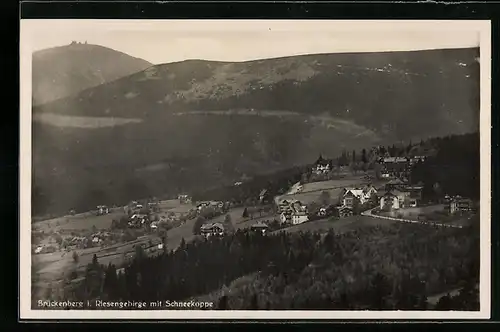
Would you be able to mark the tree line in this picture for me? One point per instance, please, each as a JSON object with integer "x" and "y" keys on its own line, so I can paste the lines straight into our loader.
{"x": 375, "y": 267}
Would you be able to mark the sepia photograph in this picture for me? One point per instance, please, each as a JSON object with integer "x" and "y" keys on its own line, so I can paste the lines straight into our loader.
{"x": 255, "y": 169}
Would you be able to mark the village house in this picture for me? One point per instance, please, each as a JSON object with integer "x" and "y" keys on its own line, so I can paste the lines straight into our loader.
{"x": 260, "y": 228}
{"x": 214, "y": 204}
{"x": 396, "y": 166}
{"x": 415, "y": 194}
{"x": 218, "y": 204}
{"x": 369, "y": 192}
{"x": 120, "y": 271}
{"x": 152, "y": 205}
{"x": 417, "y": 159}
{"x": 138, "y": 220}
{"x": 395, "y": 184}
{"x": 459, "y": 204}
{"x": 77, "y": 242}
{"x": 292, "y": 211}
{"x": 394, "y": 200}
{"x": 212, "y": 229}
{"x": 344, "y": 211}
{"x": 353, "y": 196}
{"x": 200, "y": 206}
{"x": 326, "y": 211}
{"x": 102, "y": 209}
{"x": 322, "y": 166}
{"x": 389, "y": 201}
{"x": 299, "y": 217}
{"x": 184, "y": 199}
{"x": 285, "y": 205}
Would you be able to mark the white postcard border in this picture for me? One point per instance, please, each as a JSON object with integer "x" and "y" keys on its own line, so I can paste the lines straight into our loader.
{"x": 25, "y": 312}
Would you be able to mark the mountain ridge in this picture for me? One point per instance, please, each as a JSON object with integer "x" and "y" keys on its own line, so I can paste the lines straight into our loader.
{"x": 66, "y": 70}
{"x": 217, "y": 122}
{"x": 294, "y": 83}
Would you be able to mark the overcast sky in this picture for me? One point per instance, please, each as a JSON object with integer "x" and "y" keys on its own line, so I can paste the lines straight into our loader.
{"x": 170, "y": 41}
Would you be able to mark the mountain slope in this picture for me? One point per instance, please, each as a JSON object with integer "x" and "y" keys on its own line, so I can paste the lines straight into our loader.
{"x": 63, "y": 71}
{"x": 399, "y": 93}
{"x": 198, "y": 124}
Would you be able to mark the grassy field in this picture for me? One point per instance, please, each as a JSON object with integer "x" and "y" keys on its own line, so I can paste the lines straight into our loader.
{"x": 433, "y": 214}
{"x": 340, "y": 183}
{"x": 312, "y": 191}
{"x": 340, "y": 226}
{"x": 76, "y": 223}
{"x": 82, "y": 121}
{"x": 51, "y": 267}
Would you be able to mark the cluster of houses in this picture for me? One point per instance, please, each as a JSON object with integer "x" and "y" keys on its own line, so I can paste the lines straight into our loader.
{"x": 399, "y": 194}
{"x": 214, "y": 204}
{"x": 398, "y": 167}
{"x": 138, "y": 220}
{"x": 212, "y": 229}
{"x": 217, "y": 229}
{"x": 139, "y": 215}
{"x": 44, "y": 249}
{"x": 394, "y": 167}
{"x": 395, "y": 195}
{"x": 99, "y": 237}
{"x": 292, "y": 212}
{"x": 322, "y": 166}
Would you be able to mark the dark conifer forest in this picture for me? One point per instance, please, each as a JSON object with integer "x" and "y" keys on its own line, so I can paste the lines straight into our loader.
{"x": 376, "y": 267}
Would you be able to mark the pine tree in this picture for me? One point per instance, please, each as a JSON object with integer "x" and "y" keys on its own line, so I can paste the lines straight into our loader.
{"x": 444, "y": 303}
{"x": 139, "y": 252}
{"x": 95, "y": 262}
{"x": 363, "y": 156}
{"x": 254, "y": 302}
{"x": 197, "y": 225}
{"x": 245, "y": 213}
{"x": 182, "y": 245}
{"x": 422, "y": 303}
{"x": 223, "y": 305}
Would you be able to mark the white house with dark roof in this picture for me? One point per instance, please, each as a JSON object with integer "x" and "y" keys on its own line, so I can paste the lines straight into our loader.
{"x": 352, "y": 196}
{"x": 322, "y": 166}
{"x": 299, "y": 217}
{"x": 212, "y": 229}
{"x": 102, "y": 209}
{"x": 394, "y": 200}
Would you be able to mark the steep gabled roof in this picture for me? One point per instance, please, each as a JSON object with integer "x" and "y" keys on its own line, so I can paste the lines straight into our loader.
{"x": 367, "y": 189}
{"x": 354, "y": 192}
{"x": 322, "y": 161}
